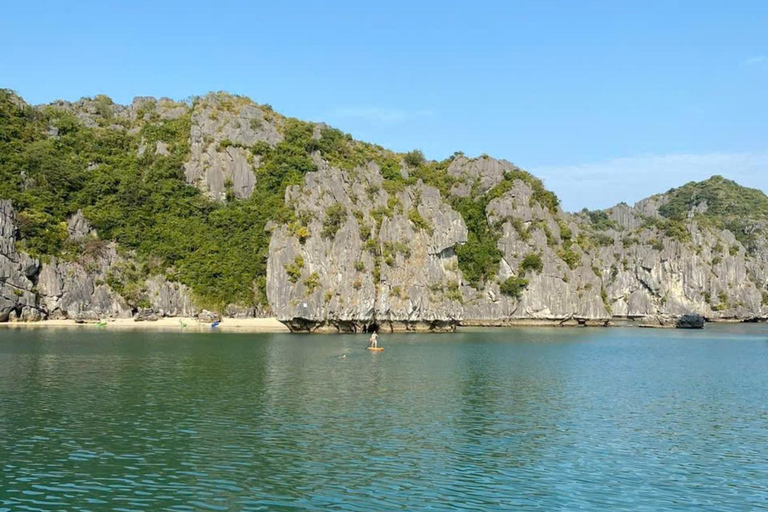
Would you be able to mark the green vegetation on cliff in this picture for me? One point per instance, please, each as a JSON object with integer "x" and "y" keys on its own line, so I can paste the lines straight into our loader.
{"x": 480, "y": 256}
{"x": 52, "y": 163}
{"x": 142, "y": 200}
{"x": 513, "y": 287}
{"x": 721, "y": 202}
{"x": 194, "y": 191}
{"x": 102, "y": 158}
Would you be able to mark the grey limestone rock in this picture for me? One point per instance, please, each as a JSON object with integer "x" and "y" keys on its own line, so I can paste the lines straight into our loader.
{"x": 380, "y": 267}
{"x": 168, "y": 298}
{"x": 237, "y": 311}
{"x": 145, "y": 315}
{"x": 71, "y": 289}
{"x": 87, "y": 316}
{"x": 144, "y": 107}
{"x": 161, "y": 148}
{"x": 30, "y": 291}
{"x": 224, "y": 128}
{"x": 18, "y": 273}
{"x": 658, "y": 322}
{"x": 208, "y": 317}
{"x": 334, "y": 283}
{"x": 361, "y": 250}
{"x": 690, "y": 321}
{"x": 625, "y": 216}
{"x": 78, "y": 226}
{"x": 487, "y": 171}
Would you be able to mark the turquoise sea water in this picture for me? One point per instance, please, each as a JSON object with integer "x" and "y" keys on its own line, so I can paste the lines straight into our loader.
{"x": 518, "y": 419}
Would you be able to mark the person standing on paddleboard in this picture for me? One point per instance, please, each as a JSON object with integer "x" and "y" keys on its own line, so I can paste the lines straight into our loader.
{"x": 373, "y": 342}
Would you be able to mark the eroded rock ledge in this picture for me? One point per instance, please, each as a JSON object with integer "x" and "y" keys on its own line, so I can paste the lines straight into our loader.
{"x": 300, "y": 325}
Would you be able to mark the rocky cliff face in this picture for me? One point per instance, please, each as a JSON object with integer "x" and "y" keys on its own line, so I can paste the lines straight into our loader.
{"x": 223, "y": 130}
{"x": 380, "y": 267}
{"x": 18, "y": 271}
{"x": 707, "y": 272}
{"x": 357, "y": 264}
{"x": 75, "y": 289}
{"x": 363, "y": 235}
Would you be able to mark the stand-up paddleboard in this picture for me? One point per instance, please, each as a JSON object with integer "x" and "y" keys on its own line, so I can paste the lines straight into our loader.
{"x": 375, "y": 349}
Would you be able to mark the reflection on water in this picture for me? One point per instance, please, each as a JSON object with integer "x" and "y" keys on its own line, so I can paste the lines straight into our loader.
{"x": 519, "y": 419}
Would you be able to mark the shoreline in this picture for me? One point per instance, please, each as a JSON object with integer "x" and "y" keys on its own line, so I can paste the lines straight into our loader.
{"x": 274, "y": 326}
{"x": 182, "y": 324}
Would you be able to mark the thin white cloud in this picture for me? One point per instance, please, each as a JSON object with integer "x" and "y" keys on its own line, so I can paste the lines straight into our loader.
{"x": 380, "y": 114}
{"x": 604, "y": 184}
{"x": 754, "y": 60}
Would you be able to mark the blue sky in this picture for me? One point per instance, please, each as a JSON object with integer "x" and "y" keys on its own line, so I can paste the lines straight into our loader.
{"x": 607, "y": 101}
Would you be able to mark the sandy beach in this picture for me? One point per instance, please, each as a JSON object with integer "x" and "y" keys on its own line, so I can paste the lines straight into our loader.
{"x": 266, "y": 325}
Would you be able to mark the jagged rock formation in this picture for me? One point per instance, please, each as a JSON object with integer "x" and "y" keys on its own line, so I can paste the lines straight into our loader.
{"x": 627, "y": 269}
{"x": 78, "y": 290}
{"x": 690, "y": 321}
{"x": 167, "y": 298}
{"x": 558, "y": 291}
{"x": 223, "y": 130}
{"x": 420, "y": 284}
{"x": 360, "y": 235}
{"x": 709, "y": 272}
{"x": 145, "y": 315}
{"x": 17, "y": 274}
{"x": 334, "y": 280}
{"x": 78, "y": 227}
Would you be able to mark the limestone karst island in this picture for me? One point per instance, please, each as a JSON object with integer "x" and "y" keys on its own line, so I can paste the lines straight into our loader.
{"x": 222, "y": 207}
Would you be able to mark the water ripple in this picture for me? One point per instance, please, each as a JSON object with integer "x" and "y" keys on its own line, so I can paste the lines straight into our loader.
{"x": 543, "y": 419}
